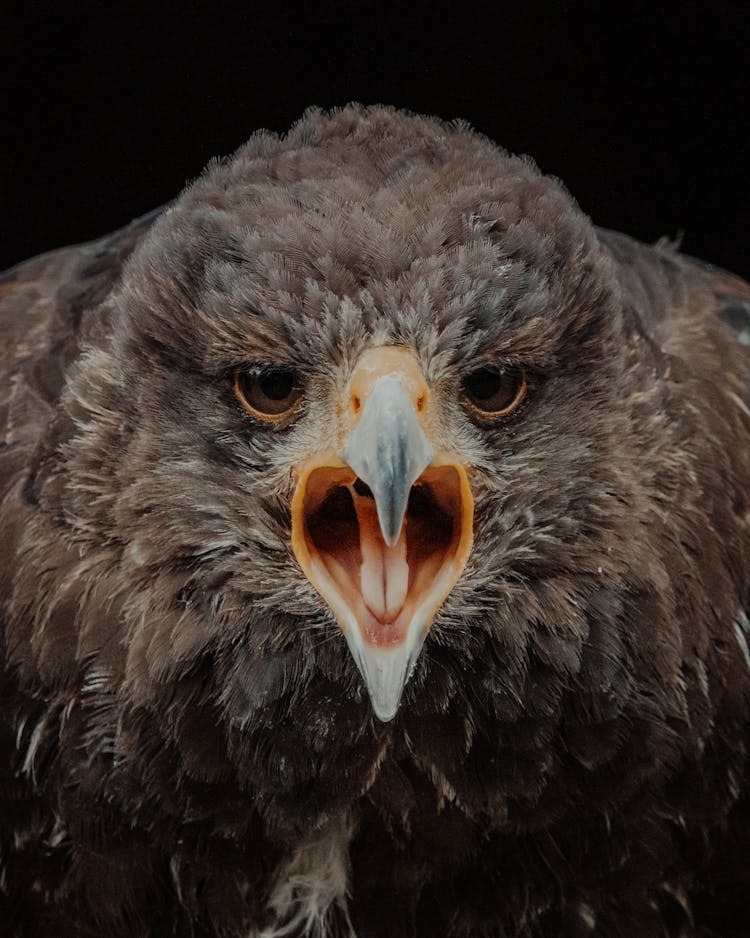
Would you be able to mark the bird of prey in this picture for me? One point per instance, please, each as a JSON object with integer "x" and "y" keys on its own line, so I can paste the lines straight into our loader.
{"x": 375, "y": 551}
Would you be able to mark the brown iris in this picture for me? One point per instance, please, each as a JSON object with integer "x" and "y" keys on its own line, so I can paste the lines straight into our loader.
{"x": 492, "y": 392}
{"x": 268, "y": 394}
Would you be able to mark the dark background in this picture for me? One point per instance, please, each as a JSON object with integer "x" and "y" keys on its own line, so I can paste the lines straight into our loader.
{"x": 642, "y": 111}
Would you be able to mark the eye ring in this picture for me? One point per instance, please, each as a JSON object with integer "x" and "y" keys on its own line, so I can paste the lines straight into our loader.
{"x": 492, "y": 393}
{"x": 270, "y": 394}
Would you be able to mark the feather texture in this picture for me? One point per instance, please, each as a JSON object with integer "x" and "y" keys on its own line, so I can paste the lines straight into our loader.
{"x": 186, "y": 747}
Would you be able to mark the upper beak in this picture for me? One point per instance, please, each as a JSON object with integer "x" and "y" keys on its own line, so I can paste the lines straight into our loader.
{"x": 389, "y": 451}
{"x": 383, "y": 528}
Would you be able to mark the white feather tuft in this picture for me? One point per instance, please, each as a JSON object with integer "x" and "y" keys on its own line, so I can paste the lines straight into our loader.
{"x": 312, "y": 886}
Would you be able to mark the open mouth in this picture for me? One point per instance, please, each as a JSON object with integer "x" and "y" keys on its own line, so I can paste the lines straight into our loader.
{"x": 384, "y": 587}
{"x": 382, "y": 522}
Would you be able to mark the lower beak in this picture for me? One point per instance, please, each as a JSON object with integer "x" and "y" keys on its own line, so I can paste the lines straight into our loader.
{"x": 383, "y": 530}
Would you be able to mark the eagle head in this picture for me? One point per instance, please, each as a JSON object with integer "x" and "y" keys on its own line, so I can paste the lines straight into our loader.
{"x": 367, "y": 427}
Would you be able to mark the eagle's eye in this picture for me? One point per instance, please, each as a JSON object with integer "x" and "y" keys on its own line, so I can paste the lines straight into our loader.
{"x": 490, "y": 393}
{"x": 268, "y": 394}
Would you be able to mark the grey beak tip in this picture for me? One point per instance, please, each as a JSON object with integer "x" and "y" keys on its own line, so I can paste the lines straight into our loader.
{"x": 392, "y": 523}
{"x": 391, "y": 539}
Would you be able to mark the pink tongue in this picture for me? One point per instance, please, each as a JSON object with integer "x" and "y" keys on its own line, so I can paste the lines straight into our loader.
{"x": 384, "y": 574}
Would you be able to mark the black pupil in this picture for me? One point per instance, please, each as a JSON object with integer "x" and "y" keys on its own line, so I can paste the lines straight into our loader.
{"x": 277, "y": 385}
{"x": 484, "y": 384}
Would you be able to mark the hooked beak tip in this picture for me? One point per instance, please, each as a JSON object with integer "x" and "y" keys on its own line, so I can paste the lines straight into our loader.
{"x": 391, "y": 518}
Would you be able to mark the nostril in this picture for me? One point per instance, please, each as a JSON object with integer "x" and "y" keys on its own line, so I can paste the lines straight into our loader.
{"x": 421, "y": 401}
{"x": 356, "y": 403}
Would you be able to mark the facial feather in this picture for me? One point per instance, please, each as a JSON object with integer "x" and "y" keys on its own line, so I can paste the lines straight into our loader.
{"x": 176, "y": 682}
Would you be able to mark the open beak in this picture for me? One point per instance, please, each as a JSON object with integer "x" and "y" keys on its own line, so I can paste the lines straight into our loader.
{"x": 383, "y": 528}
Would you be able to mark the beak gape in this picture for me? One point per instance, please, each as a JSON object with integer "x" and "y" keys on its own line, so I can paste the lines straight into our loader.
{"x": 383, "y": 530}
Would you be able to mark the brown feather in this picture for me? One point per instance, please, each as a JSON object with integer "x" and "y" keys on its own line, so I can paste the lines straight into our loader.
{"x": 186, "y": 747}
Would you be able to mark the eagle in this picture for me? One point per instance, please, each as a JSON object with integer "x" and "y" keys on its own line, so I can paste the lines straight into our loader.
{"x": 375, "y": 560}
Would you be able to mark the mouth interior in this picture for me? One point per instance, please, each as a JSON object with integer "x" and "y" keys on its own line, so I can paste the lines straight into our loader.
{"x": 384, "y": 587}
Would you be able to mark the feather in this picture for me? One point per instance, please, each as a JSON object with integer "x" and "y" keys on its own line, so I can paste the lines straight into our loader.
{"x": 186, "y": 745}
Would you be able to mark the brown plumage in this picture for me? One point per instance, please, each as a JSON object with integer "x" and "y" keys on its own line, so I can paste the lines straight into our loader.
{"x": 187, "y": 746}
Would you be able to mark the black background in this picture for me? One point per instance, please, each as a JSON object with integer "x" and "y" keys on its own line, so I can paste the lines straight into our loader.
{"x": 641, "y": 110}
